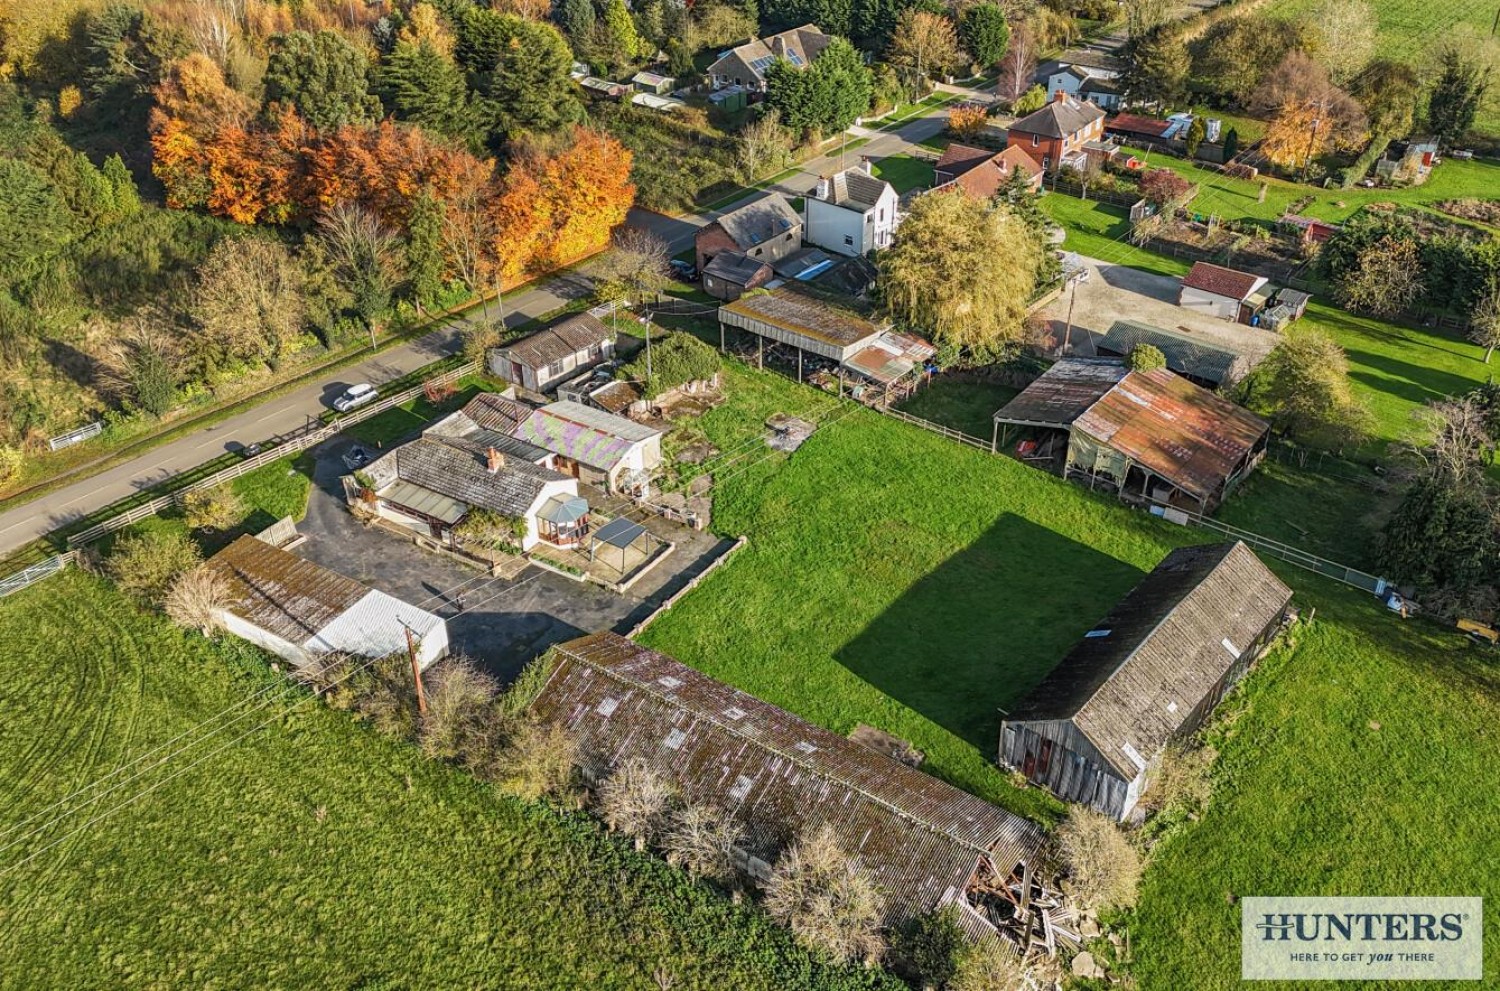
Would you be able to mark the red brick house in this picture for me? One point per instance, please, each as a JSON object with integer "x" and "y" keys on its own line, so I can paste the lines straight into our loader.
{"x": 766, "y": 230}
{"x": 982, "y": 173}
{"x": 1056, "y": 134}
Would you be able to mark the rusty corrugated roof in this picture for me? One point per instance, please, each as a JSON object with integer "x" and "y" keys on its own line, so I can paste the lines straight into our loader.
{"x": 1063, "y": 392}
{"x": 804, "y": 312}
{"x": 919, "y": 837}
{"x": 281, "y": 593}
{"x": 1192, "y": 437}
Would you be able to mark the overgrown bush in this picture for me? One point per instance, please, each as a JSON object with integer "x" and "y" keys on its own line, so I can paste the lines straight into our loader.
{"x": 1145, "y": 357}
{"x": 819, "y": 893}
{"x": 676, "y": 359}
{"x": 11, "y": 462}
{"x": 527, "y": 686}
{"x": 540, "y": 761}
{"x": 463, "y": 721}
{"x": 990, "y": 965}
{"x": 380, "y": 692}
{"x": 146, "y": 564}
{"x": 637, "y": 801}
{"x": 196, "y": 597}
{"x": 701, "y": 840}
{"x": 1103, "y": 868}
{"x": 218, "y": 508}
{"x": 929, "y": 948}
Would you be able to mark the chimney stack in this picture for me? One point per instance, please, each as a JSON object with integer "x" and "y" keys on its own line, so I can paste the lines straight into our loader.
{"x": 867, "y": 165}
{"x": 823, "y": 188}
{"x": 493, "y": 460}
{"x": 1060, "y": 96}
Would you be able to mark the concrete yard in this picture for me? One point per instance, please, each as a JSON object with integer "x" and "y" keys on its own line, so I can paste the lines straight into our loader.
{"x": 1119, "y": 292}
{"x": 502, "y": 623}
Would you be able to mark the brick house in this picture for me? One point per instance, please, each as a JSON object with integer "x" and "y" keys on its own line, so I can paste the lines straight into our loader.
{"x": 1057, "y": 134}
{"x": 766, "y": 230}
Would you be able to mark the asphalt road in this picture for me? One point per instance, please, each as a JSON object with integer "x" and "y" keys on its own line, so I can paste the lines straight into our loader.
{"x": 22, "y": 524}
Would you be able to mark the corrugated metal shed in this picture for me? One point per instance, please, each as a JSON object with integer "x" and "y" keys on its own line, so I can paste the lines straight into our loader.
{"x": 890, "y": 357}
{"x": 494, "y": 412}
{"x": 1182, "y": 432}
{"x": 1063, "y": 393}
{"x": 279, "y": 592}
{"x": 570, "y": 336}
{"x": 799, "y": 317}
{"x": 1144, "y": 669}
{"x": 919, "y": 837}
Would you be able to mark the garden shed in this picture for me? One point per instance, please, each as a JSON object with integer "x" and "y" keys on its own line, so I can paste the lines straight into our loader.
{"x": 554, "y": 354}
{"x": 1220, "y": 292}
{"x": 1151, "y": 436}
{"x": 1151, "y": 670}
{"x": 300, "y": 611}
{"x": 925, "y": 842}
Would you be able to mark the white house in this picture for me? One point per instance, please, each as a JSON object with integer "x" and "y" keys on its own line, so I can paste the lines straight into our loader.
{"x": 1220, "y": 292}
{"x": 539, "y": 361}
{"x": 595, "y": 446}
{"x": 1097, "y": 85}
{"x": 299, "y": 611}
{"x": 431, "y": 484}
{"x": 851, "y": 213}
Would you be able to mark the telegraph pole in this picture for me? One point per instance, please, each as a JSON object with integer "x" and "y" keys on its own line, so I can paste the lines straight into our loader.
{"x": 416, "y": 671}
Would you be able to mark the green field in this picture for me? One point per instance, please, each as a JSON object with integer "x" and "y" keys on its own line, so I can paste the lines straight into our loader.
{"x": 931, "y": 584}
{"x": 904, "y": 172}
{"x": 1362, "y": 763}
{"x": 313, "y": 853}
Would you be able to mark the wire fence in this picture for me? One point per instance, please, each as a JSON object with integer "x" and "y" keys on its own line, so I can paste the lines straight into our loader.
{"x": 27, "y": 577}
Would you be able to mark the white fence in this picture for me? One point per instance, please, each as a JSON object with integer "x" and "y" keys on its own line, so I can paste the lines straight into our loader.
{"x": 30, "y": 576}
{"x": 78, "y": 436}
{"x": 301, "y": 442}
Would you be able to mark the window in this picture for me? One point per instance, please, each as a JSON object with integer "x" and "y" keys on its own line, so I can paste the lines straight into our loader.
{"x": 849, "y": 240}
{"x": 1046, "y": 161}
{"x": 1036, "y": 139}
{"x": 880, "y": 214}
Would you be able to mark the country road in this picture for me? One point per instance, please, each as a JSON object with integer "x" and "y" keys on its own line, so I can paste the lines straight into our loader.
{"x": 25, "y": 523}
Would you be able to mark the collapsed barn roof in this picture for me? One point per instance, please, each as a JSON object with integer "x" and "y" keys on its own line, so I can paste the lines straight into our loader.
{"x": 1136, "y": 678}
{"x": 920, "y": 838}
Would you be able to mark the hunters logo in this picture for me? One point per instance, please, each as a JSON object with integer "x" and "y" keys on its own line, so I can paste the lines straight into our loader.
{"x": 1334, "y": 939}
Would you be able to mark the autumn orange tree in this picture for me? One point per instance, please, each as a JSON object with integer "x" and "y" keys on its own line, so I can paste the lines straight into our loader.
{"x": 967, "y": 120}
{"x": 1309, "y": 115}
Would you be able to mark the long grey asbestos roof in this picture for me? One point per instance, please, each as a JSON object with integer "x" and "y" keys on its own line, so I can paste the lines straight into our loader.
{"x": 463, "y": 475}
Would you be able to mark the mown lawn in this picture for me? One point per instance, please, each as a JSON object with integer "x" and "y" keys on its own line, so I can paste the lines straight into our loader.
{"x": 311, "y": 854}
{"x": 904, "y": 172}
{"x": 897, "y": 578}
{"x": 399, "y": 423}
{"x": 1362, "y": 763}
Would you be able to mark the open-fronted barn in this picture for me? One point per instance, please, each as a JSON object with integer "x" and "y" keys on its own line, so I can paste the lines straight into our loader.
{"x": 926, "y": 843}
{"x": 1154, "y": 668}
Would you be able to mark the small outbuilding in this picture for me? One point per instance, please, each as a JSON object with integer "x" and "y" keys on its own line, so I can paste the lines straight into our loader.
{"x": 1149, "y": 436}
{"x": 731, "y": 274}
{"x": 926, "y": 844}
{"x": 554, "y": 354}
{"x": 300, "y": 611}
{"x": 1221, "y": 292}
{"x": 1152, "y": 670}
{"x": 653, "y": 82}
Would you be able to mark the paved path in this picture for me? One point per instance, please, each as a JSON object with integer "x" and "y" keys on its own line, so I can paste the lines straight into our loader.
{"x": 25, "y": 523}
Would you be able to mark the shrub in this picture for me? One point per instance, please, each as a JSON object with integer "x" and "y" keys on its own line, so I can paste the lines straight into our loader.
{"x": 930, "y": 947}
{"x": 676, "y": 359}
{"x": 967, "y": 120}
{"x": 491, "y": 529}
{"x": 380, "y": 692}
{"x": 218, "y": 508}
{"x": 196, "y": 597}
{"x": 527, "y": 686}
{"x": 1165, "y": 189}
{"x": 11, "y": 461}
{"x": 1030, "y": 101}
{"x": 637, "y": 801}
{"x": 540, "y": 761}
{"x": 146, "y": 564}
{"x": 701, "y": 840}
{"x": 463, "y": 722}
{"x": 1145, "y": 357}
{"x": 989, "y": 965}
{"x": 818, "y": 892}
{"x": 1103, "y": 867}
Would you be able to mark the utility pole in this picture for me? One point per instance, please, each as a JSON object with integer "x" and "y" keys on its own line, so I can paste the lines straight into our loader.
{"x": 1068, "y": 329}
{"x": 646, "y": 323}
{"x": 416, "y": 671}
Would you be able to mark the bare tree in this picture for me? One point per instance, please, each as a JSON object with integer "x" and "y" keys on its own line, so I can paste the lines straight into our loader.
{"x": 469, "y": 240}
{"x": 1484, "y": 321}
{"x": 830, "y": 905}
{"x": 1142, "y": 16}
{"x": 1103, "y": 867}
{"x": 1462, "y": 444}
{"x": 638, "y": 260}
{"x": 248, "y": 301}
{"x": 197, "y": 599}
{"x": 702, "y": 840}
{"x": 366, "y": 257}
{"x": 637, "y": 801}
{"x": 1348, "y": 30}
{"x": 764, "y": 146}
{"x": 1019, "y": 64}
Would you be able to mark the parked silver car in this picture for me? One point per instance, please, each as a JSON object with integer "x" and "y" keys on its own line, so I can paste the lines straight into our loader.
{"x": 355, "y": 396}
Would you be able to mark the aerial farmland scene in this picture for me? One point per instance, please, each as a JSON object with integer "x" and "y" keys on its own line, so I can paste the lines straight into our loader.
{"x": 781, "y": 495}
